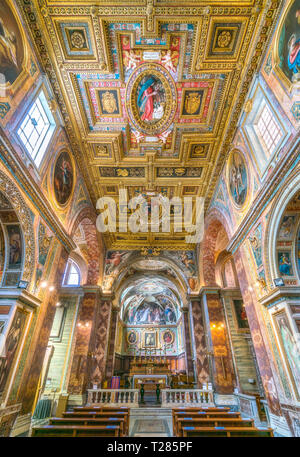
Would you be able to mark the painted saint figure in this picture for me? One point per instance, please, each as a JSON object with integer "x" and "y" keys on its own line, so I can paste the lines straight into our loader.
{"x": 8, "y": 53}
{"x": 151, "y": 99}
{"x": 294, "y": 57}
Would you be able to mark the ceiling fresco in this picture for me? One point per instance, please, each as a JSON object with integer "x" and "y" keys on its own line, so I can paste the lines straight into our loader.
{"x": 150, "y": 93}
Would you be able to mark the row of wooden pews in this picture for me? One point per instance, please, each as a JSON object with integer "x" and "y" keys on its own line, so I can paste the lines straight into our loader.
{"x": 214, "y": 422}
{"x": 86, "y": 421}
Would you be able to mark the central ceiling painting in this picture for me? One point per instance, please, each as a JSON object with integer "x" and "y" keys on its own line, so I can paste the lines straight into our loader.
{"x": 151, "y": 94}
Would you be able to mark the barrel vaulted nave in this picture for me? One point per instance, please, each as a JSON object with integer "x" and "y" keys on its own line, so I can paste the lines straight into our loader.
{"x": 106, "y": 107}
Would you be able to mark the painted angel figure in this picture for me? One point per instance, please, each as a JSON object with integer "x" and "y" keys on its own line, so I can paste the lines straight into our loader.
{"x": 168, "y": 62}
{"x": 131, "y": 60}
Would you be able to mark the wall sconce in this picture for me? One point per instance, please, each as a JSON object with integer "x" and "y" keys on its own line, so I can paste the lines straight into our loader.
{"x": 279, "y": 282}
{"x": 23, "y": 284}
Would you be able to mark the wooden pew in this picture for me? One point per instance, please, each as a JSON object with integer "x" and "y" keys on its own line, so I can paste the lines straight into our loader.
{"x": 202, "y": 408}
{"x": 76, "y": 430}
{"x": 99, "y": 414}
{"x": 120, "y": 421}
{"x": 100, "y": 408}
{"x": 202, "y": 414}
{"x": 209, "y": 422}
{"x": 227, "y": 431}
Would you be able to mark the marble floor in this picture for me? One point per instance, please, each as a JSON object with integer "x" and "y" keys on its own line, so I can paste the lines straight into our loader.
{"x": 150, "y": 422}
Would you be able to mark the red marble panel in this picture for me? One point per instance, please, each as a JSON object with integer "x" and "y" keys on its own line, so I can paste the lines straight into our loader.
{"x": 200, "y": 344}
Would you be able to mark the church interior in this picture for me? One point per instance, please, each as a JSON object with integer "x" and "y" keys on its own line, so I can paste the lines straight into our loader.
{"x": 104, "y": 107}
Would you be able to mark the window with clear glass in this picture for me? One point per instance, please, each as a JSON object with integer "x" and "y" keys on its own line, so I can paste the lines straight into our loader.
{"x": 72, "y": 274}
{"x": 37, "y": 129}
{"x": 268, "y": 129}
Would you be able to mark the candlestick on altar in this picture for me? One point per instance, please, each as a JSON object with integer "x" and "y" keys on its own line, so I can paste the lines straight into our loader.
{"x": 134, "y": 359}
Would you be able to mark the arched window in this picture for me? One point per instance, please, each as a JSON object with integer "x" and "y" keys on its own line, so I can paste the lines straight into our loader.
{"x": 72, "y": 274}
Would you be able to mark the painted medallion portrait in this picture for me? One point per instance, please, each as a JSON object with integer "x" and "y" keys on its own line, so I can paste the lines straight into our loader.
{"x": 11, "y": 45}
{"x": 168, "y": 337}
{"x": 240, "y": 314}
{"x": 131, "y": 337}
{"x": 289, "y": 44}
{"x": 238, "y": 182}
{"x": 151, "y": 99}
{"x": 63, "y": 178}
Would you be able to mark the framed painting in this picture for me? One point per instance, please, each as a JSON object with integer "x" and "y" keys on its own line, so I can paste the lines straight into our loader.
{"x": 132, "y": 337}
{"x": 287, "y": 50}
{"x": 15, "y": 247}
{"x": 289, "y": 348}
{"x": 150, "y": 339}
{"x": 240, "y": 316}
{"x": 284, "y": 263}
{"x": 12, "y": 50}
{"x": 63, "y": 178}
{"x": 237, "y": 178}
{"x": 12, "y": 344}
{"x": 167, "y": 337}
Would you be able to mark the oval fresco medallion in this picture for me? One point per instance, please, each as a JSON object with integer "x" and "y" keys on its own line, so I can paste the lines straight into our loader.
{"x": 151, "y": 99}
{"x": 288, "y": 47}
{"x": 63, "y": 178}
{"x": 237, "y": 178}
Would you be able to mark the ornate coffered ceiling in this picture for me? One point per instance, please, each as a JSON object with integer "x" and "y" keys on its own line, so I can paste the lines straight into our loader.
{"x": 151, "y": 92}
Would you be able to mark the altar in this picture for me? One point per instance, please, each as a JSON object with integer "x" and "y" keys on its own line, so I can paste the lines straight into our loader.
{"x": 149, "y": 381}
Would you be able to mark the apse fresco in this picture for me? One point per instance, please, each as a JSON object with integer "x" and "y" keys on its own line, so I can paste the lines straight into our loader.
{"x": 149, "y": 302}
{"x": 11, "y": 45}
{"x": 289, "y": 44}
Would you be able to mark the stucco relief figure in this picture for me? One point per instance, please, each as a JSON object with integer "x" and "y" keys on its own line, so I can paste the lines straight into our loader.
{"x": 151, "y": 99}
{"x": 109, "y": 102}
{"x": 192, "y": 102}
